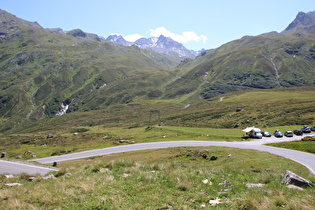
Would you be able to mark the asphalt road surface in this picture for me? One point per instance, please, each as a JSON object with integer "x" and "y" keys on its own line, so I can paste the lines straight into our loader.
{"x": 306, "y": 159}
{"x": 10, "y": 167}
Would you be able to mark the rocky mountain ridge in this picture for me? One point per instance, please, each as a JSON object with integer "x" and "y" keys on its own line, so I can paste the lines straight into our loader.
{"x": 302, "y": 20}
{"x": 161, "y": 44}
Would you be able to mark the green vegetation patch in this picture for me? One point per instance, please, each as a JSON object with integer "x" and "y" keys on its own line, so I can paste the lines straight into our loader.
{"x": 305, "y": 146}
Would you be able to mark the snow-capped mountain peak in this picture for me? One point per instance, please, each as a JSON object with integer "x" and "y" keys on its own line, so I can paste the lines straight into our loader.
{"x": 161, "y": 44}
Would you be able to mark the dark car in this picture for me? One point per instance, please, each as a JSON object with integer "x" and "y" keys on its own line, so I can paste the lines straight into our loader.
{"x": 306, "y": 129}
{"x": 288, "y": 134}
{"x": 298, "y": 132}
{"x": 278, "y": 134}
{"x": 266, "y": 134}
{"x": 313, "y": 128}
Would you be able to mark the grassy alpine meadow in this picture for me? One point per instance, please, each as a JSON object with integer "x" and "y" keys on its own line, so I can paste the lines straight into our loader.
{"x": 174, "y": 178}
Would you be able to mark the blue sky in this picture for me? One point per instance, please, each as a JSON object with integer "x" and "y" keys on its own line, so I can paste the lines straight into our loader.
{"x": 197, "y": 24}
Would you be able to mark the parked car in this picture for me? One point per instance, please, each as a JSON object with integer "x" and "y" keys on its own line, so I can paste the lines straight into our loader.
{"x": 308, "y": 138}
{"x": 313, "y": 128}
{"x": 266, "y": 134}
{"x": 288, "y": 134}
{"x": 278, "y": 134}
{"x": 298, "y": 132}
{"x": 306, "y": 129}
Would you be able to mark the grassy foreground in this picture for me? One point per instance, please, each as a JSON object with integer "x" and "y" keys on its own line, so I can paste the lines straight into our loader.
{"x": 175, "y": 178}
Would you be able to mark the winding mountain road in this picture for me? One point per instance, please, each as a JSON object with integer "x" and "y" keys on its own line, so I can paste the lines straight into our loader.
{"x": 306, "y": 159}
{"x": 10, "y": 167}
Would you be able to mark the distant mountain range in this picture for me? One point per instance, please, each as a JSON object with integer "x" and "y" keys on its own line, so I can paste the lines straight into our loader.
{"x": 49, "y": 72}
{"x": 161, "y": 44}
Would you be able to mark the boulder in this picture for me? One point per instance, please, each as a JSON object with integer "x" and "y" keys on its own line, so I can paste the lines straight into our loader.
{"x": 295, "y": 187}
{"x": 9, "y": 176}
{"x": 29, "y": 153}
{"x": 50, "y": 135}
{"x": 249, "y": 185}
{"x": 290, "y": 177}
{"x": 51, "y": 176}
{"x": 215, "y": 202}
{"x": 12, "y": 184}
{"x": 31, "y": 178}
{"x": 225, "y": 183}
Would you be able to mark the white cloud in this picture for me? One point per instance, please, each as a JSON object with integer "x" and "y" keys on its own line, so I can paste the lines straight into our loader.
{"x": 204, "y": 38}
{"x": 186, "y": 36}
{"x": 132, "y": 37}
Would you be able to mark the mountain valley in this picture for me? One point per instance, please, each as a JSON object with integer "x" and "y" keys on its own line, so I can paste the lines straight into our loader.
{"x": 49, "y": 72}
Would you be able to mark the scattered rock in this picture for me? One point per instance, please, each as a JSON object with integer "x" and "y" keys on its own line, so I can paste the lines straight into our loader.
{"x": 125, "y": 175}
{"x": 51, "y": 176}
{"x": 103, "y": 170}
{"x": 213, "y": 158}
{"x": 224, "y": 191}
{"x": 192, "y": 200}
{"x": 229, "y": 155}
{"x": 290, "y": 177}
{"x": 29, "y": 153}
{"x": 122, "y": 141}
{"x": 50, "y": 135}
{"x": 215, "y": 202}
{"x": 12, "y": 184}
{"x": 295, "y": 187}
{"x": 225, "y": 183}
{"x": 31, "y": 178}
{"x": 206, "y": 181}
{"x": 239, "y": 110}
{"x": 202, "y": 205}
{"x": 9, "y": 176}
{"x": 249, "y": 185}
{"x": 3, "y": 154}
{"x": 75, "y": 133}
{"x": 67, "y": 174}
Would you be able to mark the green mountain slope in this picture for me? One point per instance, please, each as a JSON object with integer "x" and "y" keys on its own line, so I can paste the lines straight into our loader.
{"x": 267, "y": 61}
{"x": 40, "y": 69}
{"x": 271, "y": 60}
